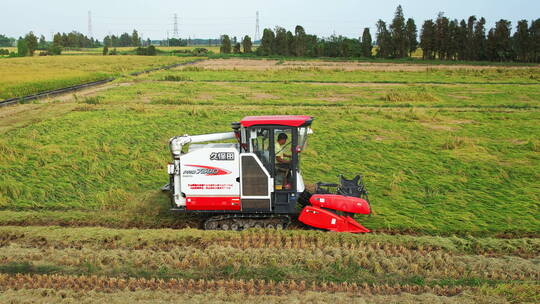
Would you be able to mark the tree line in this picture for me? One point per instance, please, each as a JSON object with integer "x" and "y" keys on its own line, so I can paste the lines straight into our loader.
{"x": 441, "y": 38}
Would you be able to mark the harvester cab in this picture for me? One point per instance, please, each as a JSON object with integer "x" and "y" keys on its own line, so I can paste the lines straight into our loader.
{"x": 256, "y": 180}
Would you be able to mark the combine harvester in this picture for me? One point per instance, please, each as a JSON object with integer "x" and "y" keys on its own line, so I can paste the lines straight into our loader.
{"x": 257, "y": 181}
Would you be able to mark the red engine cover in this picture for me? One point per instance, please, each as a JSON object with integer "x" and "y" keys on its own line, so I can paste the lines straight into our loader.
{"x": 324, "y": 219}
{"x": 342, "y": 203}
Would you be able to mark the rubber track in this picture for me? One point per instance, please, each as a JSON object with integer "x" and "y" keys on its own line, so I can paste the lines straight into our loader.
{"x": 262, "y": 217}
{"x": 74, "y": 88}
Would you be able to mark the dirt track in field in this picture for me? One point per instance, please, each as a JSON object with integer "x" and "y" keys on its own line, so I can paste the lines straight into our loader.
{"x": 261, "y": 65}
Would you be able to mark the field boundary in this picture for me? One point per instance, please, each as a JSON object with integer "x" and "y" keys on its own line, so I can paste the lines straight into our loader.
{"x": 81, "y": 86}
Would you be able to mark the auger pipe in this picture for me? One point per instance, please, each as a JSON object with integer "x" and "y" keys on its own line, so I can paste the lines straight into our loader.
{"x": 177, "y": 142}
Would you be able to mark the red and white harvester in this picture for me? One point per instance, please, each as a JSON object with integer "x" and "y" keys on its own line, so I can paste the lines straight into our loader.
{"x": 256, "y": 181}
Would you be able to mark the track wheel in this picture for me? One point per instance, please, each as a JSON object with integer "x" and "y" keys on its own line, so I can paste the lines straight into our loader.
{"x": 224, "y": 226}
{"x": 235, "y": 227}
{"x": 258, "y": 225}
{"x": 270, "y": 226}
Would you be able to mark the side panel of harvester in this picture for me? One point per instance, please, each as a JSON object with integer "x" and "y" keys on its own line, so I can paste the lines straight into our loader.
{"x": 209, "y": 177}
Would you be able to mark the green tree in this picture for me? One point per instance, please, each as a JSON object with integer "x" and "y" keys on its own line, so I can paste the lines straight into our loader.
{"x": 6, "y": 41}
{"x": 384, "y": 40}
{"x": 367, "y": 43}
{"x": 237, "y": 49}
{"x": 267, "y": 43}
{"x": 503, "y": 46}
{"x": 225, "y": 44}
{"x": 42, "y": 44}
{"x": 428, "y": 40}
{"x": 411, "y": 33}
{"x": 247, "y": 44}
{"x": 442, "y": 36}
{"x": 522, "y": 41}
{"x": 136, "y": 40}
{"x": 534, "y": 34}
{"x": 281, "y": 43}
{"x": 31, "y": 42}
{"x": 480, "y": 40}
{"x": 399, "y": 37}
{"x": 462, "y": 40}
{"x": 22, "y": 47}
{"x": 105, "y": 50}
{"x": 470, "y": 52}
{"x": 300, "y": 41}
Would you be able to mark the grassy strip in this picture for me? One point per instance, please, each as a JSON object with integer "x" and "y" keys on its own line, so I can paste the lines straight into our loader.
{"x": 336, "y": 95}
{"x": 300, "y": 74}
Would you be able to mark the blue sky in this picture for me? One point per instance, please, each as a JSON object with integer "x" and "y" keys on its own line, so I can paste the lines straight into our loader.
{"x": 209, "y": 18}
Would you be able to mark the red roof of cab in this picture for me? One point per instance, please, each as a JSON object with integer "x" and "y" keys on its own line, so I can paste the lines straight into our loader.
{"x": 281, "y": 120}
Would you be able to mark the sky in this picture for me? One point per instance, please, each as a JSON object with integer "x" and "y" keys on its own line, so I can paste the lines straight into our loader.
{"x": 211, "y": 18}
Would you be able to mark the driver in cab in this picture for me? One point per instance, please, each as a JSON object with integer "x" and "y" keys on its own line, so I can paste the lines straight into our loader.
{"x": 283, "y": 160}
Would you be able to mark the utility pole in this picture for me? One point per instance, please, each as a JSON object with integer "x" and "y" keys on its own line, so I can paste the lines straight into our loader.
{"x": 90, "y": 35}
{"x": 175, "y": 32}
{"x": 257, "y": 30}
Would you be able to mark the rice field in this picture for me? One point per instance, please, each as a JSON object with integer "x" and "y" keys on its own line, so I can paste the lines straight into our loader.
{"x": 25, "y": 76}
{"x": 449, "y": 153}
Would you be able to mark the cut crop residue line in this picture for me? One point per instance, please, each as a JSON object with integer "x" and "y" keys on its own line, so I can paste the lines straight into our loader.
{"x": 110, "y": 284}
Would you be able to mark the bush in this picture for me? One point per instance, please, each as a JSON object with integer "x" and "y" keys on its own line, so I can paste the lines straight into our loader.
{"x": 113, "y": 52}
{"x": 146, "y": 51}
{"x": 105, "y": 50}
{"x": 4, "y": 52}
{"x": 55, "y": 49}
{"x": 200, "y": 51}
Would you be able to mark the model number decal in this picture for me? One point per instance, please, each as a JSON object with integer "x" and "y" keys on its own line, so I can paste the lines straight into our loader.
{"x": 222, "y": 156}
{"x": 205, "y": 170}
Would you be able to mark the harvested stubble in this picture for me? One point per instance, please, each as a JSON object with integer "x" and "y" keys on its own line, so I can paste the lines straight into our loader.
{"x": 375, "y": 264}
{"x": 168, "y": 239}
{"x": 251, "y": 287}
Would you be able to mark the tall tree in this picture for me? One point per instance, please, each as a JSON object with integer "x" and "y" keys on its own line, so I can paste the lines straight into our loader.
{"x": 300, "y": 41}
{"x": 367, "y": 43}
{"x": 42, "y": 44}
{"x": 428, "y": 39}
{"x": 470, "y": 52}
{"x": 384, "y": 40}
{"x": 237, "y": 48}
{"x": 247, "y": 44}
{"x": 32, "y": 43}
{"x": 522, "y": 42}
{"x": 462, "y": 40}
{"x": 135, "y": 39}
{"x": 480, "y": 40}
{"x": 225, "y": 44}
{"x": 503, "y": 46}
{"x": 411, "y": 33}
{"x": 399, "y": 37}
{"x": 534, "y": 34}
{"x": 281, "y": 44}
{"x": 442, "y": 36}
{"x": 22, "y": 47}
{"x": 267, "y": 43}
